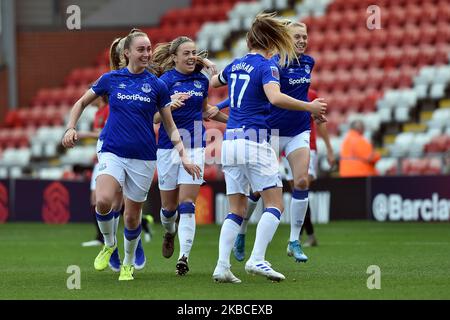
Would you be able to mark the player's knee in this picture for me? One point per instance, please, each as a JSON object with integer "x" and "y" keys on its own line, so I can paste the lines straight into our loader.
{"x": 132, "y": 221}
{"x": 301, "y": 183}
{"x": 103, "y": 204}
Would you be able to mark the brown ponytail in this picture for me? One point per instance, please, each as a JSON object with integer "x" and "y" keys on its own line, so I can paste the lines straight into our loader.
{"x": 271, "y": 34}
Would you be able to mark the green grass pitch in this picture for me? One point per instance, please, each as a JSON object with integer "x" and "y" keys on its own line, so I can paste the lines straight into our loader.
{"x": 414, "y": 260}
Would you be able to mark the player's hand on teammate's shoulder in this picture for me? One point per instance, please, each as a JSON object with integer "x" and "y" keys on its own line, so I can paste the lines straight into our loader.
{"x": 70, "y": 138}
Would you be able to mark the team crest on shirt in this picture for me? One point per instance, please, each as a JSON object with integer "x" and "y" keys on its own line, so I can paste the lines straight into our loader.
{"x": 275, "y": 72}
{"x": 146, "y": 88}
{"x": 307, "y": 69}
{"x": 122, "y": 86}
{"x": 197, "y": 84}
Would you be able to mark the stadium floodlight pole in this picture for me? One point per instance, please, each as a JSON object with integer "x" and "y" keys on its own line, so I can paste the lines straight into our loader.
{"x": 8, "y": 21}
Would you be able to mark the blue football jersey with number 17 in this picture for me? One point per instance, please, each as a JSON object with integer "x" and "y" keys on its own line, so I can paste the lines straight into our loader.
{"x": 249, "y": 106}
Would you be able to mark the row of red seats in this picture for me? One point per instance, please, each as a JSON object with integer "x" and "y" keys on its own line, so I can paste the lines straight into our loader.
{"x": 167, "y": 33}
{"x": 197, "y": 3}
{"x": 58, "y": 96}
{"x": 352, "y": 100}
{"x": 85, "y": 76}
{"x": 15, "y": 138}
{"x": 363, "y": 80}
{"x": 157, "y": 35}
{"x": 35, "y": 117}
{"x": 343, "y": 5}
{"x": 361, "y": 37}
{"x": 395, "y": 16}
{"x": 216, "y": 11}
{"x": 440, "y": 143}
{"x": 335, "y": 119}
{"x": 430, "y": 166}
{"x": 387, "y": 59}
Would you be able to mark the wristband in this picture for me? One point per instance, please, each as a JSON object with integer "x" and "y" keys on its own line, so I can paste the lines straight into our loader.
{"x": 69, "y": 129}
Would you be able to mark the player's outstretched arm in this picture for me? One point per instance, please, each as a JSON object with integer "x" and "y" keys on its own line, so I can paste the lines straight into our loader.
{"x": 213, "y": 112}
{"x": 318, "y": 107}
{"x": 70, "y": 135}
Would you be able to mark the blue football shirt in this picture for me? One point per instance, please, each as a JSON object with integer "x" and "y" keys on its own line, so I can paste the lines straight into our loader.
{"x": 133, "y": 101}
{"x": 249, "y": 106}
{"x": 187, "y": 118}
{"x": 295, "y": 81}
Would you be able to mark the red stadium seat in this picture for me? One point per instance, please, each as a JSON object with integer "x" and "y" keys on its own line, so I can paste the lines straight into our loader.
{"x": 13, "y": 120}
{"x": 327, "y": 81}
{"x": 429, "y": 13}
{"x": 375, "y": 78}
{"x": 377, "y": 57}
{"x": 343, "y": 79}
{"x": 391, "y": 79}
{"x": 442, "y": 54}
{"x": 438, "y": 144}
{"x": 363, "y": 38}
{"x": 346, "y": 59}
{"x": 443, "y": 14}
{"x": 332, "y": 40}
{"x": 410, "y": 55}
{"x": 329, "y": 60}
{"x": 379, "y": 38}
{"x": 370, "y": 98}
{"x": 434, "y": 167}
{"x": 393, "y": 57}
{"x": 397, "y": 17}
{"x": 362, "y": 59}
{"x": 347, "y": 39}
{"x": 334, "y": 19}
{"x": 411, "y": 36}
{"x": 342, "y": 5}
{"x": 171, "y": 17}
{"x": 395, "y": 36}
{"x": 427, "y": 34}
{"x": 407, "y": 73}
{"x": 413, "y": 13}
{"x": 414, "y": 166}
{"x": 318, "y": 24}
{"x": 354, "y": 19}
{"x": 443, "y": 33}
{"x": 339, "y": 101}
{"x": 426, "y": 54}
{"x": 358, "y": 78}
